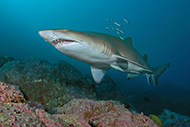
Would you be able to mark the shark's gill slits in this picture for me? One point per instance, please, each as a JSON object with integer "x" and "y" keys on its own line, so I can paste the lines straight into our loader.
{"x": 62, "y": 41}
{"x": 106, "y": 50}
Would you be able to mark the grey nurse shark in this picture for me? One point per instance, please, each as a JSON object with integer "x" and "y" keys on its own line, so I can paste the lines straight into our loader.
{"x": 102, "y": 52}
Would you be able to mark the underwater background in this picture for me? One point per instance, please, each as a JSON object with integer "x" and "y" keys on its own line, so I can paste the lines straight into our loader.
{"x": 158, "y": 28}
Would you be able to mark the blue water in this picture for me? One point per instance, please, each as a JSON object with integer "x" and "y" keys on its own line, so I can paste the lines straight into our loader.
{"x": 159, "y": 28}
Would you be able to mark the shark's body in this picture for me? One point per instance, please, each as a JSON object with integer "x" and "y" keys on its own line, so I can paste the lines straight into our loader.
{"x": 102, "y": 52}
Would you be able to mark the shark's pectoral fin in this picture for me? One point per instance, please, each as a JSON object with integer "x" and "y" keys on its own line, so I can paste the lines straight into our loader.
{"x": 97, "y": 74}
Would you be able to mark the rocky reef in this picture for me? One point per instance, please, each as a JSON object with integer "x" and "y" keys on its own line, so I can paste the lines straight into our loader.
{"x": 16, "y": 111}
{"x": 5, "y": 59}
{"x": 34, "y": 92}
{"x": 56, "y": 84}
{"x": 172, "y": 119}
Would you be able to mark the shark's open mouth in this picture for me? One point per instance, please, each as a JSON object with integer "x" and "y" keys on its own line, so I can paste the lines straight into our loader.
{"x": 62, "y": 41}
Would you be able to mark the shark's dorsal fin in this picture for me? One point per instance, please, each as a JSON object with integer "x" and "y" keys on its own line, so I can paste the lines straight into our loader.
{"x": 145, "y": 56}
{"x": 129, "y": 40}
{"x": 97, "y": 74}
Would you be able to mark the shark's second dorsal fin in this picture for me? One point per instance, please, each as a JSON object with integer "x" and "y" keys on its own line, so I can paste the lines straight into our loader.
{"x": 97, "y": 74}
{"x": 145, "y": 56}
{"x": 129, "y": 40}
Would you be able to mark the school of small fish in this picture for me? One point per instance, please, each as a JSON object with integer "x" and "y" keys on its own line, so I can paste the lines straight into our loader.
{"x": 118, "y": 28}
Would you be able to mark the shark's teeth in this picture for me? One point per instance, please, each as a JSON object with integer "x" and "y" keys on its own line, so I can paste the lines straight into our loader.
{"x": 62, "y": 41}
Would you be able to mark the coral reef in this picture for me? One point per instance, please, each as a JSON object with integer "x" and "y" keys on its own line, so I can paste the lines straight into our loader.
{"x": 42, "y": 82}
{"x": 10, "y": 93}
{"x": 78, "y": 112}
{"x": 108, "y": 90}
{"x": 156, "y": 120}
{"x": 56, "y": 84}
{"x": 172, "y": 119}
{"x": 13, "y": 109}
{"x": 17, "y": 114}
{"x": 38, "y": 93}
{"x": 104, "y": 113}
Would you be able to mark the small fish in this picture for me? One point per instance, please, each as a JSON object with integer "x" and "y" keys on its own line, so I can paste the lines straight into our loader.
{"x": 121, "y": 37}
{"x": 117, "y": 24}
{"x": 112, "y": 28}
{"x": 120, "y": 30}
{"x": 126, "y": 21}
{"x": 109, "y": 19}
{"x": 107, "y": 28}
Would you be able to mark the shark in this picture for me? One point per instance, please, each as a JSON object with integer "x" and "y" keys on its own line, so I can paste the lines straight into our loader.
{"x": 102, "y": 52}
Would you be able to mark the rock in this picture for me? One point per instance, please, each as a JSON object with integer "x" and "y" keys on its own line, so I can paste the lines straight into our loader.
{"x": 104, "y": 113}
{"x": 5, "y": 59}
{"x": 54, "y": 85}
{"x": 78, "y": 112}
{"x": 172, "y": 119}
{"x": 108, "y": 90}
{"x": 40, "y": 81}
{"x": 10, "y": 93}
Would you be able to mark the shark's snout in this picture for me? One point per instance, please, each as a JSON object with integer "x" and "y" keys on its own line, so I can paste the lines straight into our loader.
{"x": 44, "y": 33}
{"x": 40, "y": 33}
{"x": 57, "y": 38}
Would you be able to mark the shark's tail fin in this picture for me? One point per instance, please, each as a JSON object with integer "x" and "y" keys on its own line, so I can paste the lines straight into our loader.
{"x": 157, "y": 71}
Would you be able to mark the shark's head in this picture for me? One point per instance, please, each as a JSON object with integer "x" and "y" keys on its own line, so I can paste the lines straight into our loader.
{"x": 72, "y": 43}
{"x": 75, "y": 44}
{"x": 62, "y": 39}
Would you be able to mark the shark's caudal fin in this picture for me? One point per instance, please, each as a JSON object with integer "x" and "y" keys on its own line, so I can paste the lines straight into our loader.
{"x": 158, "y": 71}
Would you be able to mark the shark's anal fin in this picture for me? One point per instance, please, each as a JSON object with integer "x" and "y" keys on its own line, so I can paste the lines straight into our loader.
{"x": 148, "y": 78}
{"x": 97, "y": 74}
{"x": 132, "y": 75}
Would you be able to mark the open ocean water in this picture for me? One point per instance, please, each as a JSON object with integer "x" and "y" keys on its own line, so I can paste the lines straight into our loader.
{"x": 160, "y": 29}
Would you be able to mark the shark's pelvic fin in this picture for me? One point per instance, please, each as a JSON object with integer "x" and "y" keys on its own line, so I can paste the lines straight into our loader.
{"x": 158, "y": 71}
{"x": 120, "y": 64}
{"x": 121, "y": 58}
{"x": 97, "y": 74}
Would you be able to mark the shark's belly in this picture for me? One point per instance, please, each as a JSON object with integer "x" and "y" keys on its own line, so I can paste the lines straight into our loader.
{"x": 96, "y": 59}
